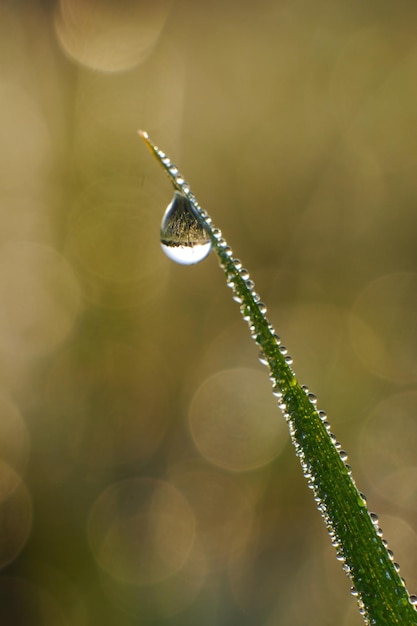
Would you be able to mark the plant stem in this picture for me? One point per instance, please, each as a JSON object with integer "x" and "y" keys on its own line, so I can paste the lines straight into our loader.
{"x": 381, "y": 593}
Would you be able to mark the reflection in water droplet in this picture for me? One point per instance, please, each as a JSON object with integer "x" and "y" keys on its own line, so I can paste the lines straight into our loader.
{"x": 184, "y": 238}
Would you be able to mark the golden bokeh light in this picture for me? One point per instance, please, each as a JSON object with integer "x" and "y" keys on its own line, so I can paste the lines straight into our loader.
{"x": 107, "y": 37}
{"x": 141, "y": 530}
{"x": 107, "y": 108}
{"x": 234, "y": 420}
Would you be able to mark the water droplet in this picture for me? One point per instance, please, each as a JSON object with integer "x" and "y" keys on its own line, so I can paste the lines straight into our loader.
{"x": 374, "y": 518}
{"x": 413, "y": 599}
{"x": 276, "y": 391}
{"x": 184, "y": 238}
{"x": 262, "y": 358}
{"x": 246, "y": 313}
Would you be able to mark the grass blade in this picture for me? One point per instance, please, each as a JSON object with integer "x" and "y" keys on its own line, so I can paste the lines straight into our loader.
{"x": 382, "y": 596}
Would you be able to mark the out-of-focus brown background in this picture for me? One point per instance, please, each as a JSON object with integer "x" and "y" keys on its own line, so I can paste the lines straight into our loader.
{"x": 146, "y": 475}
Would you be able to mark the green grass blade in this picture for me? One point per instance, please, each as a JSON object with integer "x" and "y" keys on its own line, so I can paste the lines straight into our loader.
{"x": 382, "y": 596}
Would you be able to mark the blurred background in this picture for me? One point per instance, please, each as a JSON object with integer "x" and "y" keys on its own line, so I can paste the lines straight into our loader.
{"x": 146, "y": 474}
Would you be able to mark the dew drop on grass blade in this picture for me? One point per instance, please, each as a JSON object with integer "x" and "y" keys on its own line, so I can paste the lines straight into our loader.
{"x": 184, "y": 238}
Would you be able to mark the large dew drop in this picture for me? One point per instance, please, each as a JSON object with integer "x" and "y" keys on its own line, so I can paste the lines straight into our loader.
{"x": 184, "y": 238}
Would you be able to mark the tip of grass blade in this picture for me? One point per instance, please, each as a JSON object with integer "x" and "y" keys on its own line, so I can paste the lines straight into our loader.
{"x": 176, "y": 179}
{"x": 145, "y": 137}
{"x": 143, "y": 134}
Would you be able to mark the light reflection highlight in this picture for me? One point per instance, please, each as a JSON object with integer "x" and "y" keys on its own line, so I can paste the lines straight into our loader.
{"x": 162, "y": 599}
{"x": 223, "y": 509}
